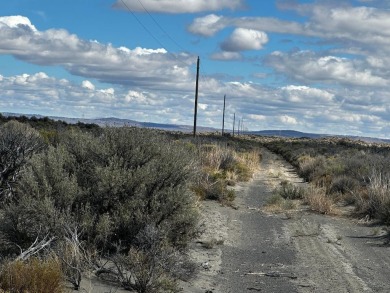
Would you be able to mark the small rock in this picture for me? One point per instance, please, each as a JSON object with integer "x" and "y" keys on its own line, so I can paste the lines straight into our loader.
{"x": 206, "y": 265}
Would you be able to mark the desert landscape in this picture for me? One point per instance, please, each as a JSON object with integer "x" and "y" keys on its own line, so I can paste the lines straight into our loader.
{"x": 94, "y": 209}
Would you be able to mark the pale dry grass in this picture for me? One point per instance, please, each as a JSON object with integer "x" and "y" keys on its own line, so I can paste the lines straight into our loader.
{"x": 319, "y": 202}
{"x": 32, "y": 276}
{"x": 223, "y": 166}
{"x": 375, "y": 202}
{"x": 215, "y": 157}
{"x": 251, "y": 159}
{"x": 277, "y": 204}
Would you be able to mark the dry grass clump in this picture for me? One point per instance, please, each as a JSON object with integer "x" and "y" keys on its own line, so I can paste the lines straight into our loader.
{"x": 224, "y": 160}
{"x": 32, "y": 276}
{"x": 212, "y": 187}
{"x": 288, "y": 190}
{"x": 288, "y": 196}
{"x": 223, "y": 166}
{"x": 277, "y": 204}
{"x": 375, "y": 202}
{"x": 281, "y": 200}
{"x": 248, "y": 163}
{"x": 319, "y": 202}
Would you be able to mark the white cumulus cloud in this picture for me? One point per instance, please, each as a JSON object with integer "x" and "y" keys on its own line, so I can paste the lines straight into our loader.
{"x": 245, "y": 39}
{"x": 207, "y": 25}
{"x": 87, "y": 85}
{"x": 285, "y": 119}
{"x": 257, "y": 117}
{"x": 177, "y": 6}
{"x": 16, "y": 21}
{"x": 304, "y": 94}
{"x": 226, "y": 56}
{"x": 308, "y": 67}
{"x": 91, "y": 59}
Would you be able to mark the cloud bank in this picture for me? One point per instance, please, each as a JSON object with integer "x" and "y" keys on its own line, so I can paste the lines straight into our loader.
{"x": 341, "y": 88}
{"x": 91, "y": 59}
{"x": 177, "y": 6}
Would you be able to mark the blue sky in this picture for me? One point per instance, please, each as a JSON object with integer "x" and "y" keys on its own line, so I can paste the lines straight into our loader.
{"x": 314, "y": 66}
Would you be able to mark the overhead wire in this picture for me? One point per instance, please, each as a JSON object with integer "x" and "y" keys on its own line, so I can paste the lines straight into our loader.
{"x": 150, "y": 32}
{"x": 201, "y": 75}
{"x": 160, "y": 27}
{"x": 140, "y": 22}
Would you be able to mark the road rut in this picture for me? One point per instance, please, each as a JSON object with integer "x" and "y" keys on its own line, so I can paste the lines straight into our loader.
{"x": 298, "y": 251}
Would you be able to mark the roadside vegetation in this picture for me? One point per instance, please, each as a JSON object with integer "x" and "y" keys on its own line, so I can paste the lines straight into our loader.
{"x": 123, "y": 203}
{"x": 342, "y": 172}
{"x": 223, "y": 163}
{"x": 119, "y": 202}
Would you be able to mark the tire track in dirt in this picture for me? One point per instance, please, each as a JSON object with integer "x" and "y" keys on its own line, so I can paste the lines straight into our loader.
{"x": 298, "y": 251}
{"x": 322, "y": 263}
{"x": 335, "y": 254}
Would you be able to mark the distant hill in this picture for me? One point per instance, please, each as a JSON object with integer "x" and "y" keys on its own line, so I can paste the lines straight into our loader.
{"x": 298, "y": 134}
{"x": 126, "y": 122}
{"x": 117, "y": 122}
{"x": 287, "y": 133}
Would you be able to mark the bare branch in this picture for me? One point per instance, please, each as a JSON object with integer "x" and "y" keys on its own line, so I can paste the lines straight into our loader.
{"x": 35, "y": 247}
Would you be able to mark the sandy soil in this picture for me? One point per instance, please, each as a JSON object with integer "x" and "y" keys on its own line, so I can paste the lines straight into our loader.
{"x": 249, "y": 250}
{"x": 246, "y": 249}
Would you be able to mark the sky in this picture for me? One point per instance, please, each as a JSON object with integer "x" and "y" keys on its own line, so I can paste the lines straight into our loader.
{"x": 313, "y": 66}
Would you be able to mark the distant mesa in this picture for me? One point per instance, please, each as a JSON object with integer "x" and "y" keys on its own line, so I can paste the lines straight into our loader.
{"x": 287, "y": 133}
{"x": 118, "y": 122}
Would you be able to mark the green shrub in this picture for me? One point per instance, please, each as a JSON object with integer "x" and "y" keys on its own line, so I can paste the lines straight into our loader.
{"x": 274, "y": 199}
{"x": 109, "y": 186}
{"x": 344, "y": 184}
{"x": 18, "y": 142}
{"x": 288, "y": 190}
{"x": 150, "y": 265}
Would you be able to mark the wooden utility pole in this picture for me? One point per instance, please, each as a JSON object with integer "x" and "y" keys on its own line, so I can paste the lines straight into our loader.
{"x": 196, "y": 95}
{"x": 239, "y": 127}
{"x": 234, "y": 122}
{"x": 223, "y": 117}
{"x": 242, "y": 126}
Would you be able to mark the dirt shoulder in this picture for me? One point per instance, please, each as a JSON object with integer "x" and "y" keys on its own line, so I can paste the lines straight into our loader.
{"x": 249, "y": 250}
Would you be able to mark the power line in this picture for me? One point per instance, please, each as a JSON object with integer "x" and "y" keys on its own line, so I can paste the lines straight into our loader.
{"x": 140, "y": 22}
{"x": 151, "y": 34}
{"x": 161, "y": 28}
{"x": 202, "y": 77}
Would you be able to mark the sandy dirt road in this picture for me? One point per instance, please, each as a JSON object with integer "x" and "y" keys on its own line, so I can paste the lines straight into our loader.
{"x": 249, "y": 250}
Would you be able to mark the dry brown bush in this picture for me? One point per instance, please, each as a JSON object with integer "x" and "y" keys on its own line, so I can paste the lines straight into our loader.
{"x": 375, "y": 202}
{"x": 32, "y": 276}
{"x": 223, "y": 166}
{"x": 277, "y": 204}
{"x": 319, "y": 202}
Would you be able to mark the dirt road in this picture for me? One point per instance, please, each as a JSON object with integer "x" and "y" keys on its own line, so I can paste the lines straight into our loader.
{"x": 249, "y": 250}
